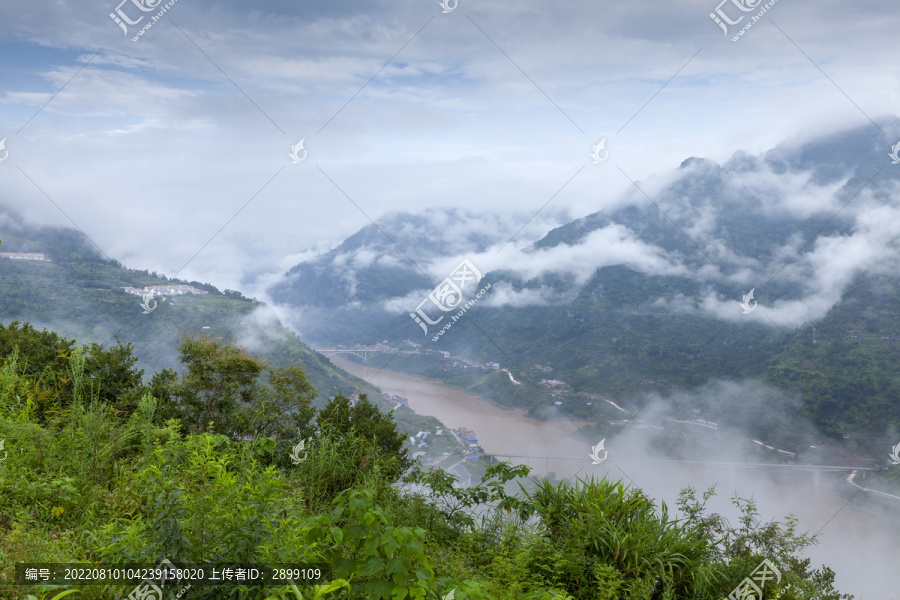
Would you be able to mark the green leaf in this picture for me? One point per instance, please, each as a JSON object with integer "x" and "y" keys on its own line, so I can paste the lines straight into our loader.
{"x": 337, "y": 534}
{"x": 423, "y": 574}
{"x": 389, "y": 546}
{"x": 397, "y": 565}
{"x": 369, "y": 545}
{"x": 414, "y": 547}
{"x": 378, "y": 589}
{"x": 400, "y": 593}
{"x": 344, "y": 566}
{"x": 321, "y": 590}
{"x": 372, "y": 566}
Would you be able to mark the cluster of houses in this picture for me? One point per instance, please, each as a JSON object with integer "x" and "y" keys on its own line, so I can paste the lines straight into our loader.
{"x": 420, "y": 437}
{"x": 458, "y": 361}
{"x": 470, "y": 442}
{"x": 396, "y": 401}
{"x": 553, "y": 383}
{"x": 465, "y": 437}
{"x": 24, "y": 256}
{"x": 490, "y": 365}
{"x": 163, "y": 290}
{"x": 352, "y": 398}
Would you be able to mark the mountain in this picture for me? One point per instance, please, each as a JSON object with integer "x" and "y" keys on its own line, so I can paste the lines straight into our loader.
{"x": 348, "y": 286}
{"x": 643, "y": 297}
{"x": 79, "y": 294}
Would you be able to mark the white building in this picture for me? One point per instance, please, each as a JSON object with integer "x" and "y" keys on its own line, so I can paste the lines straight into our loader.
{"x": 164, "y": 290}
{"x": 24, "y": 256}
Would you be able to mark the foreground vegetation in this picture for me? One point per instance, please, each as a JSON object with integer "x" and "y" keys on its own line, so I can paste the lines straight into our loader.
{"x": 204, "y": 467}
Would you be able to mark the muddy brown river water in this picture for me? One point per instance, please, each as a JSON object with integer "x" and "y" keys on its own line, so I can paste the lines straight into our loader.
{"x": 856, "y": 545}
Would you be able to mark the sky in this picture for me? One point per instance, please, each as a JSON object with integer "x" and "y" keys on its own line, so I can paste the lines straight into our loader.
{"x": 172, "y": 150}
{"x": 177, "y": 151}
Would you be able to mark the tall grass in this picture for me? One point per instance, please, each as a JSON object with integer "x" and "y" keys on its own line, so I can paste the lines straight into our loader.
{"x": 606, "y": 523}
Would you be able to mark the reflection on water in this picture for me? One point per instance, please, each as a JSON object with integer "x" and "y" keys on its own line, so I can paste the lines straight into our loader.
{"x": 853, "y": 543}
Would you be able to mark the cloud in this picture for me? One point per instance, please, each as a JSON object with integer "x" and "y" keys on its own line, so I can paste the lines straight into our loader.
{"x": 699, "y": 198}
{"x": 102, "y": 93}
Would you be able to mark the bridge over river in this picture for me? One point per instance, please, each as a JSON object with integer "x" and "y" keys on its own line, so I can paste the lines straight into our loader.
{"x": 363, "y": 353}
{"x": 816, "y": 470}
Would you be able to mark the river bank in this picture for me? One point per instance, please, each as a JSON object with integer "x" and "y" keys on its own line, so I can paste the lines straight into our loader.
{"x": 856, "y": 545}
{"x": 500, "y": 430}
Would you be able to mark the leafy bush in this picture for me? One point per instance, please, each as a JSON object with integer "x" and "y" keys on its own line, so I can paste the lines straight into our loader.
{"x": 88, "y": 477}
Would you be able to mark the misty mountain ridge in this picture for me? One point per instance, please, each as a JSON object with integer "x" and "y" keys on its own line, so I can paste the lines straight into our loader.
{"x": 648, "y": 289}
{"x": 710, "y": 223}
{"x": 383, "y": 260}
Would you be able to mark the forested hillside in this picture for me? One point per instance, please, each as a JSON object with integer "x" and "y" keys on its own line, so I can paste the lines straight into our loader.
{"x": 206, "y": 469}
{"x": 79, "y": 293}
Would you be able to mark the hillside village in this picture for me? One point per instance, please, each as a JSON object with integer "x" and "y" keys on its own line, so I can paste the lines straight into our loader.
{"x": 24, "y": 256}
{"x": 164, "y": 290}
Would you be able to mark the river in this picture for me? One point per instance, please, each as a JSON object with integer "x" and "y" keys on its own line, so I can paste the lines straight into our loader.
{"x": 499, "y": 431}
{"x": 856, "y": 545}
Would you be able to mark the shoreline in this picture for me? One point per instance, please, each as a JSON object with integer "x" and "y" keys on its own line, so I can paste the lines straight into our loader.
{"x": 502, "y": 430}
{"x": 443, "y": 384}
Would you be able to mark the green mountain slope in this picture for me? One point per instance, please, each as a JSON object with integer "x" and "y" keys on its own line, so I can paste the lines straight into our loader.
{"x": 79, "y": 294}
{"x": 630, "y": 330}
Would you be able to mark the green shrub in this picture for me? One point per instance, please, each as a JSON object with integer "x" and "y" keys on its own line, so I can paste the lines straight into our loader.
{"x": 205, "y": 502}
{"x": 603, "y": 523}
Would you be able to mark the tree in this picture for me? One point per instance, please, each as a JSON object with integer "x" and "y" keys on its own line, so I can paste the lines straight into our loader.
{"x": 283, "y": 408}
{"x": 223, "y": 388}
{"x": 363, "y": 419}
{"x": 119, "y": 382}
{"x": 220, "y": 379}
{"x": 38, "y": 350}
{"x": 45, "y": 357}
